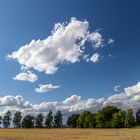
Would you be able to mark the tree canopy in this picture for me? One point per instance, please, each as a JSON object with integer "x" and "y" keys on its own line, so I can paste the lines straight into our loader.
{"x": 58, "y": 119}
{"x": 39, "y": 120}
{"x": 17, "y": 119}
{"x": 108, "y": 117}
{"x": 49, "y": 120}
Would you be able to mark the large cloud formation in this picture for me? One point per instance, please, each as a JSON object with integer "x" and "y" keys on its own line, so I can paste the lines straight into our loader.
{"x": 66, "y": 44}
{"x": 130, "y": 98}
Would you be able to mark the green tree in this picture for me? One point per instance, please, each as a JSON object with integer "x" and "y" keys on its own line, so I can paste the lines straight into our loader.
{"x": 0, "y": 120}
{"x": 129, "y": 120}
{"x": 58, "y": 119}
{"x": 28, "y": 121}
{"x": 138, "y": 117}
{"x": 90, "y": 121}
{"x": 100, "y": 120}
{"x": 72, "y": 120}
{"x": 39, "y": 120}
{"x": 103, "y": 117}
{"x": 17, "y": 119}
{"x": 7, "y": 119}
{"x": 81, "y": 119}
{"x": 49, "y": 120}
{"x": 118, "y": 119}
{"x": 86, "y": 120}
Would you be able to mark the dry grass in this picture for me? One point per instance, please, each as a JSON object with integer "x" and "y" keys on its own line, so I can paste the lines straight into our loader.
{"x": 69, "y": 134}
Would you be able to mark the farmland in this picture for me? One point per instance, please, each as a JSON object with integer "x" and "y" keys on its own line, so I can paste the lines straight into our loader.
{"x": 69, "y": 134}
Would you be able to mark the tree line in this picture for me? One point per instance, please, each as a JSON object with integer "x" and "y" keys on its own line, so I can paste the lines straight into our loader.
{"x": 108, "y": 117}
{"x": 29, "y": 121}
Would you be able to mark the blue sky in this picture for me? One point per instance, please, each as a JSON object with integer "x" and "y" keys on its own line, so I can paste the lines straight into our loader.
{"x": 117, "y": 64}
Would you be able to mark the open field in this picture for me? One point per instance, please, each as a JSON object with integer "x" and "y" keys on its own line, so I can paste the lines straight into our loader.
{"x": 69, "y": 134}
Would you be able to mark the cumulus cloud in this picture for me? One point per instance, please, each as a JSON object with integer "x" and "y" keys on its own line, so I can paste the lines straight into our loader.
{"x": 66, "y": 44}
{"x": 69, "y": 105}
{"x": 96, "y": 39}
{"x": 116, "y": 88}
{"x": 94, "y": 58}
{"x": 26, "y": 76}
{"x": 11, "y": 100}
{"x": 72, "y": 99}
{"x": 127, "y": 99}
{"x": 74, "y": 103}
{"x": 136, "y": 98}
{"x": 46, "y": 88}
{"x": 135, "y": 89}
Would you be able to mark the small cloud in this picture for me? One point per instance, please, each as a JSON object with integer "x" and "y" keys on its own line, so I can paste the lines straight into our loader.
{"x": 46, "y": 88}
{"x": 26, "y": 76}
{"x": 96, "y": 39}
{"x": 72, "y": 99}
{"x": 116, "y": 88}
{"x": 111, "y": 41}
{"x": 94, "y": 58}
{"x": 112, "y": 56}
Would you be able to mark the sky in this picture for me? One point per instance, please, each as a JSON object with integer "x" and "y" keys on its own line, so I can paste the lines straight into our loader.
{"x": 69, "y": 55}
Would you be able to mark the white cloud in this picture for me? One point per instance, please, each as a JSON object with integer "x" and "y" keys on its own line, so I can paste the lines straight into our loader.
{"x": 127, "y": 99}
{"x": 111, "y": 41}
{"x": 11, "y": 100}
{"x": 96, "y": 39}
{"x": 72, "y": 99}
{"x": 26, "y": 76}
{"x": 46, "y": 88}
{"x": 120, "y": 96}
{"x": 65, "y": 44}
{"x": 95, "y": 58}
{"x": 135, "y": 98}
{"x": 116, "y": 88}
{"x": 73, "y": 103}
{"x": 135, "y": 89}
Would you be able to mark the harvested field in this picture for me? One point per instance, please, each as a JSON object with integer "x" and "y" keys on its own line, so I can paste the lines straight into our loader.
{"x": 69, "y": 134}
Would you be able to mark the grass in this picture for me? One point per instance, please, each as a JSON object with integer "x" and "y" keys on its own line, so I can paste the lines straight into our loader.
{"x": 69, "y": 134}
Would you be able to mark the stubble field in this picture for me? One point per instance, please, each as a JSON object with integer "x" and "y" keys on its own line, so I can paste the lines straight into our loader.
{"x": 69, "y": 134}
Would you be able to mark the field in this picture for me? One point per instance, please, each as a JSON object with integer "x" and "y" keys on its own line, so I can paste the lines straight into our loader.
{"x": 69, "y": 134}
